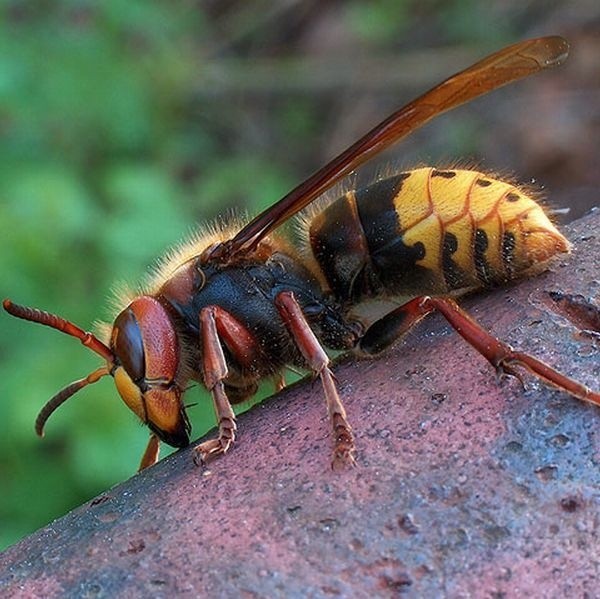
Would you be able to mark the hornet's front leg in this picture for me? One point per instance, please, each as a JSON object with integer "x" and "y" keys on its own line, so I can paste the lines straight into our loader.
{"x": 151, "y": 453}
{"x": 214, "y": 371}
{"x": 318, "y": 361}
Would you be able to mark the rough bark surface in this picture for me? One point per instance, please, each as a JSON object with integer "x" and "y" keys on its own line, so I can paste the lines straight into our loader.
{"x": 464, "y": 487}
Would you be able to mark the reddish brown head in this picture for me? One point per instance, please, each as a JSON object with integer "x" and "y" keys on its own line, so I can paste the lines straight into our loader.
{"x": 146, "y": 352}
{"x": 144, "y": 359}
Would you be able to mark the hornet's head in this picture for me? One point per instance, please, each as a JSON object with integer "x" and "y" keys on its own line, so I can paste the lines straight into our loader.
{"x": 144, "y": 359}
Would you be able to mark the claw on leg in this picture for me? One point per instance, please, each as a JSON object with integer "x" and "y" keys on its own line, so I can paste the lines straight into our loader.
{"x": 507, "y": 369}
{"x": 212, "y": 448}
{"x": 343, "y": 439}
{"x": 343, "y": 453}
{"x": 207, "y": 451}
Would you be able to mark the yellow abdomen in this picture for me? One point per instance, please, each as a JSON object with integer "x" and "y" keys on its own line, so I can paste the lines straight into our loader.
{"x": 431, "y": 231}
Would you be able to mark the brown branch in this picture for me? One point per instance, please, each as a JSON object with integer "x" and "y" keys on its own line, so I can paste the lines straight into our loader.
{"x": 463, "y": 486}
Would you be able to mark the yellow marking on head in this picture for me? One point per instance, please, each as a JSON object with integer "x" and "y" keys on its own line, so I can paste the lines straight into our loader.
{"x": 130, "y": 393}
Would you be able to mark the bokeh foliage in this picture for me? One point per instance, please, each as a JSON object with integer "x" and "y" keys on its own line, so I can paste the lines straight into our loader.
{"x": 97, "y": 143}
{"x": 124, "y": 122}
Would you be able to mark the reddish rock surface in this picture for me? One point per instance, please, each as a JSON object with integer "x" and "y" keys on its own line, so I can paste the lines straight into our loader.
{"x": 464, "y": 487}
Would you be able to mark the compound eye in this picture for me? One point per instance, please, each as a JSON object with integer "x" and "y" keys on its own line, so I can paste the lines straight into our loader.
{"x": 128, "y": 345}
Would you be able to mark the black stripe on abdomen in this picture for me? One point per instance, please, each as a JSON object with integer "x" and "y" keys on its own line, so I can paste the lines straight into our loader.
{"x": 482, "y": 267}
{"x": 377, "y": 213}
{"x": 338, "y": 244}
{"x": 392, "y": 263}
{"x": 454, "y": 276}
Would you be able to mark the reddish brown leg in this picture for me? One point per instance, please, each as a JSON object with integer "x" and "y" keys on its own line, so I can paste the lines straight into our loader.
{"x": 502, "y": 357}
{"x": 214, "y": 369}
{"x": 318, "y": 361}
{"x": 150, "y": 456}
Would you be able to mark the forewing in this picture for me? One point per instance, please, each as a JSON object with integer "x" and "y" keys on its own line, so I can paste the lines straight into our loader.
{"x": 509, "y": 64}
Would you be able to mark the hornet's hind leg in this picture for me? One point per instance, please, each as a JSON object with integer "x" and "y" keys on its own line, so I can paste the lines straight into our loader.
{"x": 500, "y": 355}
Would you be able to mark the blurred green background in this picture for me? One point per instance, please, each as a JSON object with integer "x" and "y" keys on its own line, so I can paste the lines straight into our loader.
{"x": 124, "y": 122}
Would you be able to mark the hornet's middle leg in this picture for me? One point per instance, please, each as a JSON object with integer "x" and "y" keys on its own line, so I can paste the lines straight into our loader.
{"x": 318, "y": 361}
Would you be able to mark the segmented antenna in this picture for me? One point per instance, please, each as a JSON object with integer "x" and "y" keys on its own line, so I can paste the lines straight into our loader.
{"x": 64, "y": 326}
{"x": 63, "y": 395}
{"x": 60, "y": 324}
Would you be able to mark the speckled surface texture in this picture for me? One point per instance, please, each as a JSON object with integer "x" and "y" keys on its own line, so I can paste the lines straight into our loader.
{"x": 464, "y": 487}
